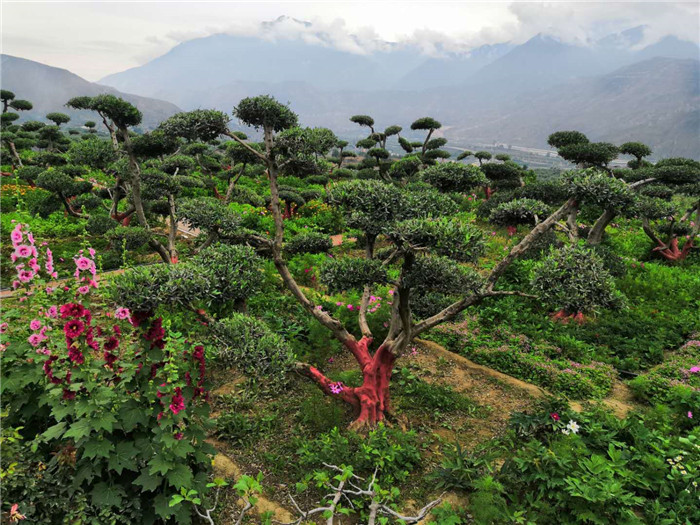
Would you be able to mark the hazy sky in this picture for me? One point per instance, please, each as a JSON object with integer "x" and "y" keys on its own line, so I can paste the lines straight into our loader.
{"x": 96, "y": 38}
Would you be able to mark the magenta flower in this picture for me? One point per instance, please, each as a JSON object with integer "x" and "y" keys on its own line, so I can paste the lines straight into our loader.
{"x": 35, "y": 324}
{"x": 16, "y": 235}
{"x": 35, "y": 339}
{"x": 694, "y": 369}
{"x": 690, "y": 415}
{"x": 350, "y": 307}
{"x": 73, "y": 328}
{"x": 83, "y": 263}
{"x": 178, "y": 402}
{"x": 83, "y": 290}
{"x": 52, "y": 312}
{"x": 25, "y": 275}
{"x": 23, "y": 251}
{"x": 336, "y": 388}
{"x": 3, "y": 328}
{"x": 122, "y": 313}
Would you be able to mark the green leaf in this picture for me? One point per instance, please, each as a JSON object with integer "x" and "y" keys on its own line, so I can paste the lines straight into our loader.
{"x": 124, "y": 457}
{"x": 97, "y": 447}
{"x": 159, "y": 464}
{"x": 148, "y": 481}
{"x": 180, "y": 476}
{"x": 105, "y": 421}
{"x": 55, "y": 431}
{"x": 104, "y": 495}
{"x": 79, "y": 429}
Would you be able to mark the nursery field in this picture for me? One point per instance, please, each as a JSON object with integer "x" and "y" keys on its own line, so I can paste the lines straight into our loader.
{"x": 210, "y": 327}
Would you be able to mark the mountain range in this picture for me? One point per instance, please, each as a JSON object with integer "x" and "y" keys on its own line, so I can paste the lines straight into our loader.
{"x": 49, "y": 88}
{"x": 614, "y": 89}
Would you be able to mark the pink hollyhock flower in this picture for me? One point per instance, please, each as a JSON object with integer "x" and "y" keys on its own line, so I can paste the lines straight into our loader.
{"x": 50, "y": 289}
{"x": 15, "y": 285}
{"x": 16, "y": 235}
{"x": 52, "y": 312}
{"x": 44, "y": 351}
{"x": 83, "y": 290}
{"x": 35, "y": 324}
{"x": 25, "y": 275}
{"x": 350, "y": 307}
{"x": 35, "y": 339}
{"x": 122, "y": 313}
{"x": 23, "y": 251}
{"x": 690, "y": 415}
{"x": 694, "y": 369}
{"x": 73, "y": 328}
{"x": 319, "y": 307}
{"x": 391, "y": 292}
{"x": 91, "y": 252}
{"x": 4, "y": 327}
{"x": 339, "y": 303}
{"x": 31, "y": 238}
{"x": 83, "y": 263}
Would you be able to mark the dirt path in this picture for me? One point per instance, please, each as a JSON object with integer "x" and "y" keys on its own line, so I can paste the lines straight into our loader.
{"x": 620, "y": 400}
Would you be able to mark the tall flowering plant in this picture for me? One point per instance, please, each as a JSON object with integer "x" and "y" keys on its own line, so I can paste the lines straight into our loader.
{"x": 119, "y": 396}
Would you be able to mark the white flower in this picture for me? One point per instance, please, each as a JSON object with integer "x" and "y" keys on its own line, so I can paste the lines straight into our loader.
{"x": 573, "y": 427}
{"x": 565, "y": 431}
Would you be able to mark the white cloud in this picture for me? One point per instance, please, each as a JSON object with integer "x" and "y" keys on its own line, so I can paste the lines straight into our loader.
{"x": 94, "y": 39}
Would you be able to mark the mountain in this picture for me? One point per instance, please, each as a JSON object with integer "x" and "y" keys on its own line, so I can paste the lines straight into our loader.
{"x": 655, "y": 101}
{"x": 49, "y": 88}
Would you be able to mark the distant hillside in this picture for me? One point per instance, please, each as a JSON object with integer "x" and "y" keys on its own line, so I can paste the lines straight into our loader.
{"x": 187, "y": 72}
{"x": 49, "y": 88}
{"x": 656, "y": 101}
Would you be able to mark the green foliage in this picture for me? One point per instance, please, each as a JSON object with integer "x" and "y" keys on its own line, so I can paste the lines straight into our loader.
{"x": 118, "y": 110}
{"x": 393, "y": 453}
{"x": 451, "y": 238}
{"x": 598, "y": 154}
{"x": 561, "y": 139}
{"x": 310, "y": 242}
{"x": 208, "y": 214}
{"x": 597, "y": 188}
{"x": 349, "y": 273}
{"x": 519, "y": 211}
{"x": 265, "y": 112}
{"x": 234, "y": 272}
{"x": 99, "y": 224}
{"x": 250, "y": 345}
{"x": 574, "y": 279}
{"x": 130, "y": 237}
{"x": 454, "y": 177}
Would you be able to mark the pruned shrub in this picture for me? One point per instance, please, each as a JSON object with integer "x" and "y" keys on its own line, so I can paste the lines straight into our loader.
{"x": 574, "y": 279}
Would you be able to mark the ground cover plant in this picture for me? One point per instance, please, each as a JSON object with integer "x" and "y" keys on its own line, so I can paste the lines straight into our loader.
{"x": 203, "y": 325}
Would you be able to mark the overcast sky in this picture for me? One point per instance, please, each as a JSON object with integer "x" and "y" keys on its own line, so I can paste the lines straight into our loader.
{"x": 96, "y": 38}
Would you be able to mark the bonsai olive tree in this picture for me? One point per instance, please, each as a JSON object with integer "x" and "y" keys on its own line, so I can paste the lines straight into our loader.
{"x": 666, "y": 223}
{"x": 430, "y": 148}
{"x": 58, "y": 118}
{"x": 638, "y": 151}
{"x": 425, "y": 253}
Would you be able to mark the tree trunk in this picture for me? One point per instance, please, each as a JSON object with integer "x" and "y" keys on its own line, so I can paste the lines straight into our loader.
{"x": 371, "y": 400}
{"x": 15, "y": 154}
{"x": 596, "y": 235}
{"x": 572, "y": 225}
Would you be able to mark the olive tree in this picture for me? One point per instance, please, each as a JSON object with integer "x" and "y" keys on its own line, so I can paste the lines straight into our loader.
{"x": 426, "y": 253}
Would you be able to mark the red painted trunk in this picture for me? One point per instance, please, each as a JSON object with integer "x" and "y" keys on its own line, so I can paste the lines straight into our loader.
{"x": 371, "y": 399}
{"x": 673, "y": 252}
